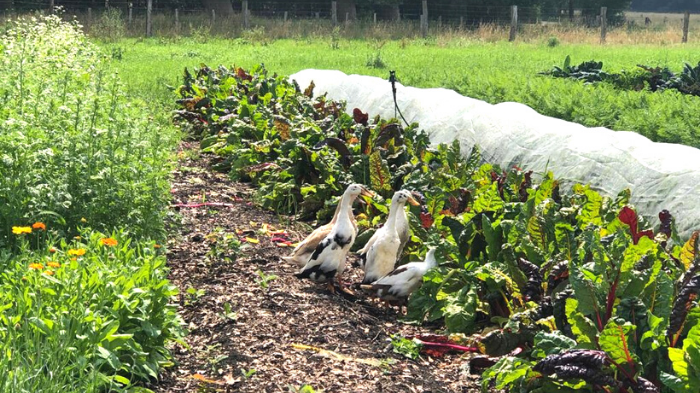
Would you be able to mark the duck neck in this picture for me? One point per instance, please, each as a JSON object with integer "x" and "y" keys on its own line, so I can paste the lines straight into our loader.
{"x": 430, "y": 259}
{"x": 391, "y": 220}
{"x": 337, "y": 209}
{"x": 345, "y": 208}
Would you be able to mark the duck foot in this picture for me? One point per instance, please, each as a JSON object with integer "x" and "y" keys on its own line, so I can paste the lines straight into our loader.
{"x": 343, "y": 289}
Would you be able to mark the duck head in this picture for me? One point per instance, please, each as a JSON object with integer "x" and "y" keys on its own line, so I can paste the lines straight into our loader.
{"x": 404, "y": 196}
{"x": 355, "y": 190}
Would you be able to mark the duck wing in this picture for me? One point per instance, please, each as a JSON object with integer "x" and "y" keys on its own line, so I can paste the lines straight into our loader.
{"x": 381, "y": 259}
{"x": 302, "y": 252}
{"x": 400, "y": 283}
{"x": 328, "y": 259}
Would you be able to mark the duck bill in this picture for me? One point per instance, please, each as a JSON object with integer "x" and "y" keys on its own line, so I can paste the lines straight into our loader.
{"x": 412, "y": 201}
{"x": 366, "y": 192}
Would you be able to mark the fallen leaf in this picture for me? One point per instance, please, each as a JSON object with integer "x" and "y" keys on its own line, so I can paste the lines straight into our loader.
{"x": 252, "y": 240}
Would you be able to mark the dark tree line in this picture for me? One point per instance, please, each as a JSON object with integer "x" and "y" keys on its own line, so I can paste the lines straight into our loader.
{"x": 666, "y": 5}
{"x": 474, "y": 11}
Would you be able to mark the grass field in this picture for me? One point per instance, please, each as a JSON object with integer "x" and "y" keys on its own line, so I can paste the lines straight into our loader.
{"x": 494, "y": 72}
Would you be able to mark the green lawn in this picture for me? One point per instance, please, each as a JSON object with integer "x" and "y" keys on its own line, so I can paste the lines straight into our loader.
{"x": 494, "y": 72}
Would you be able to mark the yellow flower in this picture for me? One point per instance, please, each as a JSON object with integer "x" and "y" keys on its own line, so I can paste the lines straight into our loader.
{"x": 36, "y": 266}
{"x": 21, "y": 230}
{"x": 53, "y": 264}
{"x": 76, "y": 252}
{"x": 49, "y": 273}
{"x": 156, "y": 246}
{"x": 39, "y": 225}
{"x": 110, "y": 242}
{"x": 83, "y": 220}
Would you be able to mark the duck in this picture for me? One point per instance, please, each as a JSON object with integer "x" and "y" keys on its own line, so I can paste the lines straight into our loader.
{"x": 301, "y": 254}
{"x": 402, "y": 228}
{"x": 328, "y": 258}
{"x": 382, "y": 254}
{"x": 398, "y": 285}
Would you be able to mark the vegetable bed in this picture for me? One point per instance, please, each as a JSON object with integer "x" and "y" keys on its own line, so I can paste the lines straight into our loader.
{"x": 562, "y": 289}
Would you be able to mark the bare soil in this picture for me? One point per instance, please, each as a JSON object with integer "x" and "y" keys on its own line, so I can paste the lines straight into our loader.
{"x": 243, "y": 324}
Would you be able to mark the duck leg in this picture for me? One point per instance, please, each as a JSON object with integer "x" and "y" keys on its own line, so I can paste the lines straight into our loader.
{"x": 343, "y": 287}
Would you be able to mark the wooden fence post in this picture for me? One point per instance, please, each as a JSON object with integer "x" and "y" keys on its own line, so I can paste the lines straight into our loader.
{"x": 686, "y": 24}
{"x": 177, "y": 21}
{"x": 513, "y": 22}
{"x": 89, "y": 19}
{"x": 461, "y": 23}
{"x": 51, "y": 7}
{"x": 334, "y": 12}
{"x": 285, "y": 16}
{"x": 603, "y": 23}
{"x": 149, "y": 19}
{"x": 131, "y": 12}
{"x": 424, "y": 20}
{"x": 374, "y": 17}
{"x": 213, "y": 17}
{"x": 347, "y": 18}
{"x": 246, "y": 20}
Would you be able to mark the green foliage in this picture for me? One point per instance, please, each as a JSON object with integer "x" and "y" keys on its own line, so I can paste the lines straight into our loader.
{"x": 73, "y": 148}
{"x": 85, "y": 317}
{"x": 572, "y": 275}
{"x": 409, "y": 348}
{"x": 651, "y": 78}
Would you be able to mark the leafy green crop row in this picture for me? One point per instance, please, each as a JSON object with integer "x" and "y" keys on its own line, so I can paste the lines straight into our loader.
{"x": 570, "y": 290}
{"x": 72, "y": 147}
{"x": 644, "y": 78}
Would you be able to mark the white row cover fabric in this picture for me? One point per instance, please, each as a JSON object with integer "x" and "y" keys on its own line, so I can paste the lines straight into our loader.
{"x": 660, "y": 175}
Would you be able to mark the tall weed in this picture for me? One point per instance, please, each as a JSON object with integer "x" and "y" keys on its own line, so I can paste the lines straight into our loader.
{"x": 73, "y": 149}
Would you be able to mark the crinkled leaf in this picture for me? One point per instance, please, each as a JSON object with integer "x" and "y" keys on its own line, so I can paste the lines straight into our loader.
{"x": 582, "y": 327}
{"x": 688, "y": 251}
{"x": 548, "y": 343}
{"x": 586, "y": 292}
{"x": 359, "y": 117}
{"x": 615, "y": 341}
{"x": 506, "y": 372}
{"x": 379, "y": 173}
{"x": 487, "y": 199}
{"x": 388, "y": 132}
{"x": 460, "y": 310}
{"x": 658, "y": 293}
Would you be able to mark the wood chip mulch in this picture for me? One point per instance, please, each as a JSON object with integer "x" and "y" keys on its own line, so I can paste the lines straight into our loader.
{"x": 243, "y": 323}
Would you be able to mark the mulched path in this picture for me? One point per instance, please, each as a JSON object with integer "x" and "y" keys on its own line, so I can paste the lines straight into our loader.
{"x": 241, "y": 329}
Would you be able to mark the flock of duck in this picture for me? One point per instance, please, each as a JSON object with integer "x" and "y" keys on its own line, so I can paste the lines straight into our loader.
{"x": 322, "y": 255}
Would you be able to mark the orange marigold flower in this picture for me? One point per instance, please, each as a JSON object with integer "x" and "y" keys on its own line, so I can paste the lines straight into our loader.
{"x": 36, "y": 266}
{"x": 49, "y": 273}
{"x": 53, "y": 264}
{"x": 21, "y": 230}
{"x": 39, "y": 225}
{"x": 76, "y": 252}
{"x": 109, "y": 242}
{"x": 156, "y": 246}
{"x": 74, "y": 259}
{"x": 52, "y": 250}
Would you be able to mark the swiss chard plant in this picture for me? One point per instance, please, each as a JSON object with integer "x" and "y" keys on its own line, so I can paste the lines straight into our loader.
{"x": 570, "y": 290}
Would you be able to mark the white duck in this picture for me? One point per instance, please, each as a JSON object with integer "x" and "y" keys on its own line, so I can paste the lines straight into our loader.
{"x": 328, "y": 259}
{"x": 401, "y": 227}
{"x": 302, "y": 252}
{"x": 396, "y": 286}
{"x": 383, "y": 252}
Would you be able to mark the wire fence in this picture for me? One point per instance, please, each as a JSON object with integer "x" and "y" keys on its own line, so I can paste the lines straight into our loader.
{"x": 312, "y": 16}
